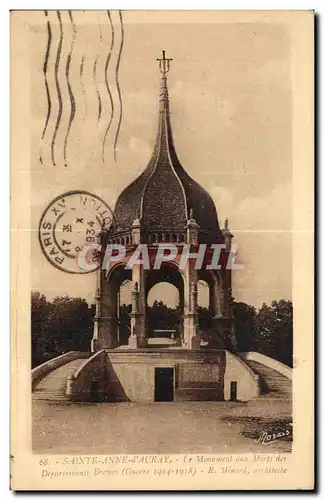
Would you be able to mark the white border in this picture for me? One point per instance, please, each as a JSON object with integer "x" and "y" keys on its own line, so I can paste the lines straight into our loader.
{"x": 4, "y": 184}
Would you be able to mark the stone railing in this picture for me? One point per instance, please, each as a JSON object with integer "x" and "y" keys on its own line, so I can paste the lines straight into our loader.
{"x": 44, "y": 369}
{"x": 279, "y": 367}
{"x": 87, "y": 383}
{"x": 247, "y": 382}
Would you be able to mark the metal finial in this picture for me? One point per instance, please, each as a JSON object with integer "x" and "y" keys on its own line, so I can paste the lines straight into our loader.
{"x": 164, "y": 64}
{"x": 226, "y": 223}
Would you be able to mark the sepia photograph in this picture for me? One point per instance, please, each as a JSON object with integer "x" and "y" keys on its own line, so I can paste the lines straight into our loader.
{"x": 161, "y": 226}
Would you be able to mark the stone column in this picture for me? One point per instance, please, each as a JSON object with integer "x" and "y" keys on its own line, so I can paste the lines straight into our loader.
{"x": 138, "y": 323}
{"x": 220, "y": 328}
{"x": 191, "y": 338}
{"x": 138, "y": 307}
{"x": 133, "y": 340}
{"x": 190, "y": 319}
{"x": 136, "y": 232}
{"x": 106, "y": 320}
{"x": 96, "y": 319}
{"x": 227, "y": 291}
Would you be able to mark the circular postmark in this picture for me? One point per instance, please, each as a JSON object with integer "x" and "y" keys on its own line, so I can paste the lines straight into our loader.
{"x": 69, "y": 222}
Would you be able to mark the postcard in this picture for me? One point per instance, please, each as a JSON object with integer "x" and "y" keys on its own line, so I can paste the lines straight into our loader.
{"x": 162, "y": 237}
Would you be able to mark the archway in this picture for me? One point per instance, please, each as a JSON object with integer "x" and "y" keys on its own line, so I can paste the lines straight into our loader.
{"x": 116, "y": 304}
{"x": 205, "y": 312}
{"x": 203, "y": 298}
{"x": 164, "y": 302}
{"x": 124, "y": 311}
{"x": 163, "y": 311}
{"x": 210, "y": 308}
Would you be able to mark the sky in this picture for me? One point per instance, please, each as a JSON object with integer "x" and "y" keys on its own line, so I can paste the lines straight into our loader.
{"x": 230, "y": 94}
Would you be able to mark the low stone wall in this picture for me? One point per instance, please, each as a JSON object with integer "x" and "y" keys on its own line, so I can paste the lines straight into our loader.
{"x": 247, "y": 381}
{"x": 88, "y": 383}
{"x": 129, "y": 375}
{"x": 285, "y": 370}
{"x": 44, "y": 369}
{"x": 198, "y": 375}
{"x": 200, "y": 381}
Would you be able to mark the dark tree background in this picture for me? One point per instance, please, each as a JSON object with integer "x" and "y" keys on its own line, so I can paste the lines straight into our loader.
{"x": 162, "y": 317}
{"x": 274, "y": 331}
{"x": 65, "y": 324}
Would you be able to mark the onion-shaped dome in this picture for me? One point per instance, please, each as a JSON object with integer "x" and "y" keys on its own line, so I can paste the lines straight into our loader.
{"x": 163, "y": 196}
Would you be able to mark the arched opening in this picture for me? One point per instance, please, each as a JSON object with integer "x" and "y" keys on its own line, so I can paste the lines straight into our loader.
{"x": 205, "y": 313}
{"x": 164, "y": 303}
{"x": 208, "y": 309}
{"x": 124, "y": 311}
{"x": 163, "y": 311}
{"x": 118, "y": 296}
{"x": 203, "y": 294}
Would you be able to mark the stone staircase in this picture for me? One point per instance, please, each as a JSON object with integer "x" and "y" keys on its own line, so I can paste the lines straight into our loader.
{"x": 53, "y": 386}
{"x": 272, "y": 383}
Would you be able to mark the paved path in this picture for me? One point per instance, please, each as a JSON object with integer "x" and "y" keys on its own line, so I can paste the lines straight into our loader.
{"x": 190, "y": 427}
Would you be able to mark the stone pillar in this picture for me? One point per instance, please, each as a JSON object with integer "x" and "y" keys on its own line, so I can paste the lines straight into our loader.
{"x": 106, "y": 320}
{"x": 232, "y": 327}
{"x": 218, "y": 291}
{"x": 227, "y": 236}
{"x": 96, "y": 319}
{"x": 138, "y": 324}
{"x": 216, "y": 303}
{"x": 132, "y": 339}
{"x": 190, "y": 320}
{"x": 192, "y": 230}
{"x": 136, "y": 232}
{"x": 227, "y": 290}
{"x": 135, "y": 318}
{"x": 191, "y": 338}
{"x": 138, "y": 307}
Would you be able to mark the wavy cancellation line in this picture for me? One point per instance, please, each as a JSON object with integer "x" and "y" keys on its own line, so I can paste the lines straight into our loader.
{"x": 45, "y": 66}
{"x": 54, "y": 49}
{"x": 94, "y": 72}
{"x": 117, "y": 83}
{"x": 81, "y": 75}
{"x": 112, "y": 107}
{"x": 67, "y": 75}
{"x": 59, "y": 94}
{"x": 95, "y": 78}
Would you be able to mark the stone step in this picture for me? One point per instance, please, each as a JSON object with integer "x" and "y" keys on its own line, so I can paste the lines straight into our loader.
{"x": 273, "y": 384}
{"x": 53, "y": 386}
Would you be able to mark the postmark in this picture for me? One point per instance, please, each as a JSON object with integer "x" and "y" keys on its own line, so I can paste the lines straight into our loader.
{"x": 69, "y": 222}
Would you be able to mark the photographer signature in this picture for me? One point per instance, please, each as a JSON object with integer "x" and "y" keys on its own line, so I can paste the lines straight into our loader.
{"x": 269, "y": 437}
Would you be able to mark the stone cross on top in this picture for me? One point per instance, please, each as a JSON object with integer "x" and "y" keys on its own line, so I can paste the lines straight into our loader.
{"x": 164, "y": 64}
